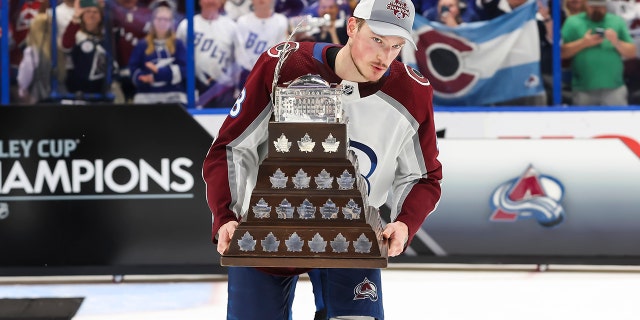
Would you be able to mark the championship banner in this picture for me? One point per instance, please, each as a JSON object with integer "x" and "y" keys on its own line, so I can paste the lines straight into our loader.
{"x": 482, "y": 62}
{"x": 109, "y": 189}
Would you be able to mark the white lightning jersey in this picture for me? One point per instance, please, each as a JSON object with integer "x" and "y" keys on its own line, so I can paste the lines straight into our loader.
{"x": 215, "y": 42}
{"x": 256, "y": 35}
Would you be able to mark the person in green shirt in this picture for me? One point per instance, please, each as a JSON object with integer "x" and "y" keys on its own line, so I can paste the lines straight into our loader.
{"x": 597, "y": 42}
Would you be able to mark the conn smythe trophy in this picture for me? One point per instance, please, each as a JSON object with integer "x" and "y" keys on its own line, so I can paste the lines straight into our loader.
{"x": 309, "y": 207}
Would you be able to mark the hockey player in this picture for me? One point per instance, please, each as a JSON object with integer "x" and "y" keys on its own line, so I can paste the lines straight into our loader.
{"x": 391, "y": 127}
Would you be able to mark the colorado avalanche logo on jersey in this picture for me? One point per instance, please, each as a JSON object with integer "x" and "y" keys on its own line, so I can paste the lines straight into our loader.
{"x": 366, "y": 290}
{"x": 530, "y": 196}
{"x": 275, "y": 50}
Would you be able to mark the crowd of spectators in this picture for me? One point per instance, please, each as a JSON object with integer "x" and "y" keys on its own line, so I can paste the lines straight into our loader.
{"x": 134, "y": 51}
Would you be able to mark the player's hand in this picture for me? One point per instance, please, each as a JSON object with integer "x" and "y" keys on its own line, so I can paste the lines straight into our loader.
{"x": 225, "y": 233}
{"x": 398, "y": 235}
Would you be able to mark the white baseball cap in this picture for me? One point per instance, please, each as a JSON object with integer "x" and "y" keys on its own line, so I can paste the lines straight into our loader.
{"x": 388, "y": 17}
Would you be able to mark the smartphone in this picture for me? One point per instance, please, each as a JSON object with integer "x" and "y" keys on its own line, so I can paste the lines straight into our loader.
{"x": 599, "y": 31}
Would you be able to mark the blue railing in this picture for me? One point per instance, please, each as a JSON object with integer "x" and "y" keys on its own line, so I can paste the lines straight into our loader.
{"x": 4, "y": 50}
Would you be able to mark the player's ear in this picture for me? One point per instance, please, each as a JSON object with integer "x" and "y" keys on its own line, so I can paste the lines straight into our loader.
{"x": 352, "y": 26}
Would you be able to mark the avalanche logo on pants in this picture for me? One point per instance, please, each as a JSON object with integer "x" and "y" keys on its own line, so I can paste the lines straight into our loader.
{"x": 365, "y": 290}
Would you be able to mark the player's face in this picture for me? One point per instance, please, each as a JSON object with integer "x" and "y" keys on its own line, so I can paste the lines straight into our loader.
{"x": 371, "y": 53}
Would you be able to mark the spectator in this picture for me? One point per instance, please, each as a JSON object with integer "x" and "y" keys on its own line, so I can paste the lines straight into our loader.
{"x": 34, "y": 72}
{"x": 258, "y": 31}
{"x": 489, "y": 9}
{"x": 336, "y": 32}
{"x": 597, "y": 42}
{"x": 630, "y": 12}
{"x": 84, "y": 41}
{"x": 20, "y": 15}
{"x": 431, "y": 9}
{"x": 130, "y": 24}
{"x": 446, "y": 12}
{"x": 545, "y": 33}
{"x": 234, "y": 9}
{"x": 158, "y": 62}
{"x": 344, "y": 9}
{"x": 573, "y": 7}
{"x": 215, "y": 47}
{"x": 290, "y": 8}
{"x": 64, "y": 14}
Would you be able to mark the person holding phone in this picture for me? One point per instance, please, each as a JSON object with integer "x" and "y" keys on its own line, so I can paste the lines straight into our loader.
{"x": 597, "y": 42}
{"x": 449, "y": 12}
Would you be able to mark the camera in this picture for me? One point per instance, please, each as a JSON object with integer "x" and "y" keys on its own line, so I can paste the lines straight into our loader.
{"x": 444, "y": 9}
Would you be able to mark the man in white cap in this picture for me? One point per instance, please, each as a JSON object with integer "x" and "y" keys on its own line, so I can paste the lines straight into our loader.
{"x": 390, "y": 128}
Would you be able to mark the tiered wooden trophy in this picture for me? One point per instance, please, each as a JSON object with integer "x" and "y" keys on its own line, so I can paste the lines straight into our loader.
{"x": 309, "y": 207}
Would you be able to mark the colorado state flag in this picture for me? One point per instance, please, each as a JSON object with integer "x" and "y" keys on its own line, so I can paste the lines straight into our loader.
{"x": 481, "y": 62}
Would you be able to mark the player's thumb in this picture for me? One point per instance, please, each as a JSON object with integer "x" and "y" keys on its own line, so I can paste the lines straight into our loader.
{"x": 224, "y": 239}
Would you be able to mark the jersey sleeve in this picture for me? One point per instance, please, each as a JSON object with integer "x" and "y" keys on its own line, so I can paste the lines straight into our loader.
{"x": 231, "y": 165}
{"x": 416, "y": 195}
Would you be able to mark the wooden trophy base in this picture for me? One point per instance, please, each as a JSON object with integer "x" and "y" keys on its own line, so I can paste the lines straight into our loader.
{"x": 308, "y": 208}
{"x": 351, "y": 252}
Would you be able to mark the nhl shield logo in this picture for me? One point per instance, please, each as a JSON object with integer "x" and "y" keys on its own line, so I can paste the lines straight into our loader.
{"x": 347, "y": 89}
{"x": 4, "y": 210}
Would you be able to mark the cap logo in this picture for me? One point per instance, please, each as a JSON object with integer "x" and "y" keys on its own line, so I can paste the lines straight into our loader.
{"x": 399, "y": 8}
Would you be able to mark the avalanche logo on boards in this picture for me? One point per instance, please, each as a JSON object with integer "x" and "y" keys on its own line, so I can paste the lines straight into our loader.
{"x": 531, "y": 196}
